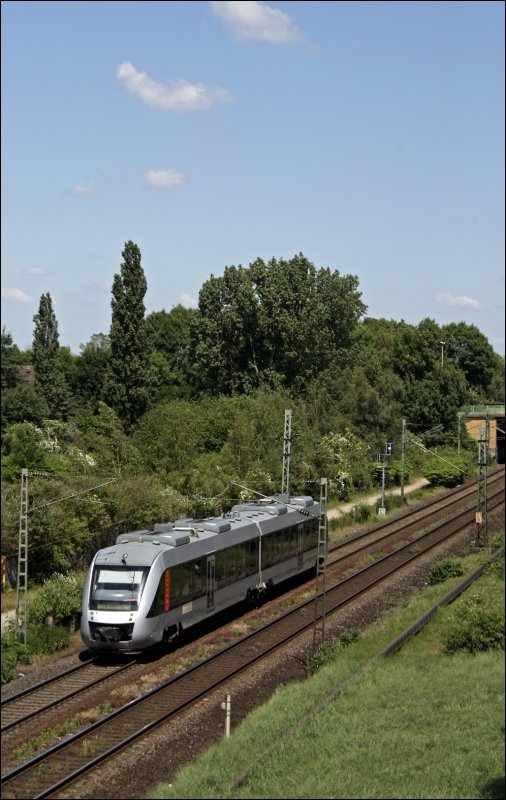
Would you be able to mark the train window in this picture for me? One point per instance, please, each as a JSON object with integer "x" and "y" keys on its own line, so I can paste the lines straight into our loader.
{"x": 157, "y": 604}
{"x": 220, "y": 569}
{"x": 185, "y": 585}
{"x": 230, "y": 562}
{"x": 252, "y": 556}
{"x": 199, "y": 579}
{"x": 175, "y": 593}
{"x": 266, "y": 551}
{"x": 277, "y": 547}
{"x": 117, "y": 588}
{"x": 291, "y": 542}
{"x": 235, "y": 558}
{"x": 272, "y": 549}
{"x": 311, "y": 534}
{"x": 240, "y": 561}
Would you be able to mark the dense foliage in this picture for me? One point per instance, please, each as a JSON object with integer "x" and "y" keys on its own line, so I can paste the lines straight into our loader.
{"x": 164, "y": 416}
{"x": 277, "y": 324}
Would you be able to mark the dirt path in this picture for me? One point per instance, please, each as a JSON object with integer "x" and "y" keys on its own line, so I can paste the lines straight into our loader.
{"x": 334, "y": 513}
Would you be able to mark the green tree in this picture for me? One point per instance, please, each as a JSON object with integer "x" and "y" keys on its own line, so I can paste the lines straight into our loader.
{"x": 497, "y": 384}
{"x": 9, "y": 352}
{"x": 49, "y": 376}
{"x": 171, "y": 368}
{"x": 273, "y": 325}
{"x": 126, "y": 389}
{"x": 22, "y": 446}
{"x": 23, "y": 404}
{"x": 105, "y": 440}
{"x": 170, "y": 335}
{"x": 93, "y": 369}
{"x": 168, "y": 438}
{"x": 437, "y": 398}
{"x": 470, "y": 350}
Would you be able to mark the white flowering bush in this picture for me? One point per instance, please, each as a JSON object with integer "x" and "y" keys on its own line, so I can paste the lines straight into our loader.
{"x": 60, "y": 598}
{"x": 345, "y": 461}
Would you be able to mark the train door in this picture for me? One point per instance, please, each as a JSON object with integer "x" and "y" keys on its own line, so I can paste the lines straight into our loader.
{"x": 300, "y": 545}
{"x": 211, "y": 581}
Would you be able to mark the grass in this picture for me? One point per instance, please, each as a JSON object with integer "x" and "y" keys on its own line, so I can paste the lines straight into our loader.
{"x": 46, "y": 739}
{"x": 418, "y": 724}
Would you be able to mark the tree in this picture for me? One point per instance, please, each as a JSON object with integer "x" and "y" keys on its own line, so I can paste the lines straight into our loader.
{"x": 93, "y": 369}
{"x": 273, "y": 325}
{"x": 49, "y": 376}
{"x": 126, "y": 389}
{"x": 470, "y": 350}
{"x": 9, "y": 351}
{"x": 171, "y": 367}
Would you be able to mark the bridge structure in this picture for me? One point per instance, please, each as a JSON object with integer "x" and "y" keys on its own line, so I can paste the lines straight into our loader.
{"x": 489, "y": 416}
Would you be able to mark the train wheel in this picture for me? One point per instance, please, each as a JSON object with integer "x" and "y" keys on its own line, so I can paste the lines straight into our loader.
{"x": 252, "y": 597}
{"x": 170, "y": 634}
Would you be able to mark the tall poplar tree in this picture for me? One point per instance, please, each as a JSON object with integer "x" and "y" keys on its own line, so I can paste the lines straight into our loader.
{"x": 127, "y": 387}
{"x": 49, "y": 377}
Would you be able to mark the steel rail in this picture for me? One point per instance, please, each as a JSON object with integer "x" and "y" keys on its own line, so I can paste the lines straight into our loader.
{"x": 41, "y": 697}
{"x": 176, "y": 694}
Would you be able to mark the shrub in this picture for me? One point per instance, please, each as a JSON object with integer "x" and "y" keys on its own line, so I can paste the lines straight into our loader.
{"x": 328, "y": 650}
{"x": 60, "y": 597}
{"x": 475, "y": 627}
{"x": 445, "y": 569}
{"x": 362, "y": 512}
{"x": 393, "y": 501}
{"x": 43, "y": 640}
{"x": 13, "y": 650}
{"x": 449, "y": 472}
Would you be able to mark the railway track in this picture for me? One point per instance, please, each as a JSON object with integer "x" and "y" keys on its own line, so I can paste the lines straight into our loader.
{"x": 47, "y": 773}
{"x": 43, "y": 696}
{"x": 411, "y": 521}
{"x": 82, "y": 677}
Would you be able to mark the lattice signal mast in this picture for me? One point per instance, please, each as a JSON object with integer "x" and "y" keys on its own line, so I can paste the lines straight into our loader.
{"x": 287, "y": 443}
{"x": 22, "y": 581}
{"x": 481, "y": 510}
{"x": 321, "y": 563}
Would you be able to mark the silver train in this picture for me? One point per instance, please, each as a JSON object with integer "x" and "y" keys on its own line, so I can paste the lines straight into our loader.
{"x": 150, "y": 585}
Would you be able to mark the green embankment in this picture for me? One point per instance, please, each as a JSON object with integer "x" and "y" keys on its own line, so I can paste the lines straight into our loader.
{"x": 419, "y": 724}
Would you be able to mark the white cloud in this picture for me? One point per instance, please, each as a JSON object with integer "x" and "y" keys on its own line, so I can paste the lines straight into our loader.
{"x": 83, "y": 191}
{"x": 459, "y": 301}
{"x": 187, "y": 300}
{"x": 164, "y": 178}
{"x": 252, "y": 20}
{"x": 17, "y": 295}
{"x": 179, "y": 95}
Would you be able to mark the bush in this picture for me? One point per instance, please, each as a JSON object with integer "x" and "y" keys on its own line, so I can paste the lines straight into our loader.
{"x": 43, "y": 640}
{"x": 40, "y": 641}
{"x": 60, "y": 598}
{"x": 362, "y": 512}
{"x": 445, "y": 569}
{"x": 393, "y": 501}
{"x": 13, "y": 650}
{"x": 449, "y": 472}
{"x": 476, "y": 626}
{"x": 328, "y": 650}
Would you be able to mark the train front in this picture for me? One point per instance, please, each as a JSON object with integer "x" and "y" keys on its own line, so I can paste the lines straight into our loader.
{"x": 116, "y": 599}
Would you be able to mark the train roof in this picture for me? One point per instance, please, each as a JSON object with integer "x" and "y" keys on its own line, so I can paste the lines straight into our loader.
{"x": 207, "y": 535}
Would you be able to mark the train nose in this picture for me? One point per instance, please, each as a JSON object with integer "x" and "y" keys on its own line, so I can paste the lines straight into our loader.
{"x": 111, "y": 633}
{"x": 108, "y": 634}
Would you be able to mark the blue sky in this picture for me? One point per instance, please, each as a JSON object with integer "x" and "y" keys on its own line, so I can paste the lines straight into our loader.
{"x": 367, "y": 135}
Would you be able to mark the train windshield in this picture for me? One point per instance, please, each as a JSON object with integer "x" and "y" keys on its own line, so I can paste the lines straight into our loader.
{"x": 117, "y": 588}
